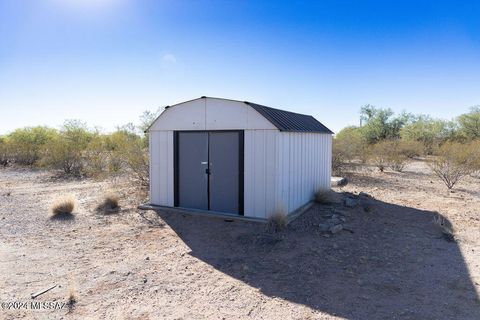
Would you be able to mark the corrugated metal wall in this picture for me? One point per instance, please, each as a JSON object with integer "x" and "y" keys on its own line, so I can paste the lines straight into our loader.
{"x": 283, "y": 170}
{"x": 260, "y": 172}
{"x": 304, "y": 167}
{"x": 161, "y": 168}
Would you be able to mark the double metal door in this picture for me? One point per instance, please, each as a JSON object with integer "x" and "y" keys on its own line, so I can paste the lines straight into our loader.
{"x": 209, "y": 170}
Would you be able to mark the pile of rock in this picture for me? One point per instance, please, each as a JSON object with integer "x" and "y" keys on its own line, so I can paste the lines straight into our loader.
{"x": 334, "y": 223}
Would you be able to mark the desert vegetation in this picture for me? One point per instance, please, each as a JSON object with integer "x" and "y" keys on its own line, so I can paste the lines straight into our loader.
{"x": 277, "y": 222}
{"x": 77, "y": 150}
{"x": 109, "y": 203}
{"x": 389, "y": 141}
{"x": 63, "y": 206}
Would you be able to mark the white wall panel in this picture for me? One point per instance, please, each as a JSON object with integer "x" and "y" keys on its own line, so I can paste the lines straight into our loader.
{"x": 161, "y": 168}
{"x": 260, "y": 173}
{"x": 304, "y": 169}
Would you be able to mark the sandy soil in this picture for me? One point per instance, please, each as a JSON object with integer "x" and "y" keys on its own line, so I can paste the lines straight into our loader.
{"x": 392, "y": 262}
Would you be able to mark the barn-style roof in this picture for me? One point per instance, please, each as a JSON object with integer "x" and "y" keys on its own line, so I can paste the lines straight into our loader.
{"x": 290, "y": 121}
{"x": 280, "y": 119}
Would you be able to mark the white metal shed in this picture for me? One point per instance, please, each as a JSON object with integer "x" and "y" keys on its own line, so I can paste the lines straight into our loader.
{"x": 237, "y": 157}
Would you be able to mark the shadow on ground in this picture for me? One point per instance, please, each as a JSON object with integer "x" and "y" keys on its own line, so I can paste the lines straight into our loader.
{"x": 395, "y": 264}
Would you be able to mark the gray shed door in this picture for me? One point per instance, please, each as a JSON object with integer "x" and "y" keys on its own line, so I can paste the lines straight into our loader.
{"x": 208, "y": 170}
{"x": 224, "y": 171}
{"x": 192, "y": 166}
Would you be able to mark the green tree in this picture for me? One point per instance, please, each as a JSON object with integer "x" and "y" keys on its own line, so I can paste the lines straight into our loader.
{"x": 469, "y": 124}
{"x": 381, "y": 124}
{"x": 426, "y": 130}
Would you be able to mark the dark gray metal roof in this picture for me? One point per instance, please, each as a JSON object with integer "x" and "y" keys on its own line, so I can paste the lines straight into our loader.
{"x": 290, "y": 121}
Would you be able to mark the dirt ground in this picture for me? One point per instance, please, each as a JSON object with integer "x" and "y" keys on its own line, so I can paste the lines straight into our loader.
{"x": 390, "y": 262}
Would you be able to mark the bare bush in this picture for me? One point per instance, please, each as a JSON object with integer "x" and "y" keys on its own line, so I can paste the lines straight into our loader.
{"x": 338, "y": 159}
{"x": 388, "y": 153}
{"x": 397, "y": 161}
{"x": 453, "y": 162}
{"x": 378, "y": 155}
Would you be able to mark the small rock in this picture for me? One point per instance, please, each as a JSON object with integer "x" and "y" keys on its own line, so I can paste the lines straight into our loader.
{"x": 350, "y": 203}
{"x": 336, "y": 228}
{"x": 324, "y": 227}
{"x": 339, "y": 181}
{"x": 145, "y": 280}
{"x": 147, "y": 258}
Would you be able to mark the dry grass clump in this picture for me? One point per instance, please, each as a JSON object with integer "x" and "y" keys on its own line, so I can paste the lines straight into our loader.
{"x": 277, "y": 222}
{"x": 324, "y": 197}
{"x": 109, "y": 203}
{"x": 71, "y": 299}
{"x": 63, "y": 206}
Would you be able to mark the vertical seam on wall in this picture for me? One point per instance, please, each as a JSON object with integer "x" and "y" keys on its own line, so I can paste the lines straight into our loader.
{"x": 265, "y": 174}
{"x": 150, "y": 166}
{"x": 205, "y": 113}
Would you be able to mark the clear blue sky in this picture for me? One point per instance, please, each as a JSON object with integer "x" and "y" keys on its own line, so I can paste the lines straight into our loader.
{"x": 105, "y": 61}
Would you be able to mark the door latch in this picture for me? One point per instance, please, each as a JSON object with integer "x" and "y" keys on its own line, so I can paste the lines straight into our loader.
{"x": 207, "y": 171}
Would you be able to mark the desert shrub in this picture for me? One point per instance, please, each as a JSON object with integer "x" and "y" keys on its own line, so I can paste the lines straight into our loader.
{"x": 324, "y": 196}
{"x": 397, "y": 162}
{"x": 63, "y": 206}
{"x": 130, "y": 154}
{"x": 4, "y": 153}
{"x": 378, "y": 155}
{"x": 410, "y": 149}
{"x": 109, "y": 203}
{"x": 277, "y": 221}
{"x": 453, "y": 162}
{"x": 66, "y": 150}
{"x": 388, "y": 153}
{"x": 24, "y": 145}
{"x": 338, "y": 159}
{"x": 474, "y": 151}
{"x": 348, "y": 145}
{"x": 429, "y": 132}
{"x": 96, "y": 157}
{"x": 469, "y": 124}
